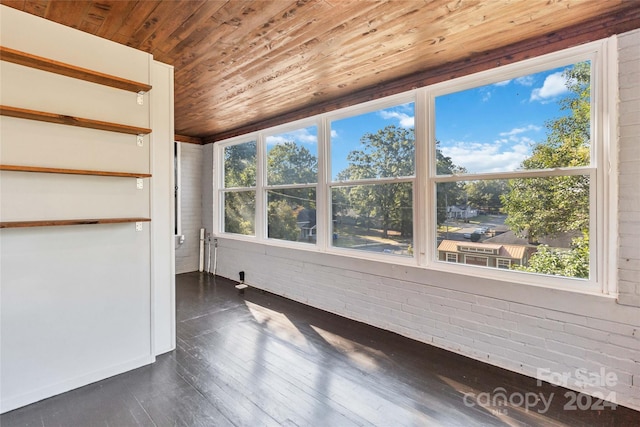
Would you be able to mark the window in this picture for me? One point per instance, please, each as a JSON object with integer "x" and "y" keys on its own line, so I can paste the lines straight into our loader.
{"x": 515, "y": 155}
{"x": 372, "y": 180}
{"x": 476, "y": 260}
{"x": 292, "y": 176}
{"x": 502, "y": 169}
{"x": 503, "y": 263}
{"x": 239, "y": 188}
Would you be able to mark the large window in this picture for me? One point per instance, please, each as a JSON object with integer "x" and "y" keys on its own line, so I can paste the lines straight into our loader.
{"x": 497, "y": 174}
{"x": 238, "y": 197}
{"x": 526, "y": 142}
{"x": 372, "y": 171}
{"x": 292, "y": 176}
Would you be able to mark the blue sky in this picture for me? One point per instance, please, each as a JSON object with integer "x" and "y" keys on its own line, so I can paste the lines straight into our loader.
{"x": 487, "y": 129}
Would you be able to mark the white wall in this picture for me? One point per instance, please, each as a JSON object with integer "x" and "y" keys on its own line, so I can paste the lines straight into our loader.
{"x": 81, "y": 303}
{"x": 514, "y": 326}
{"x": 629, "y": 169}
{"x": 191, "y": 163}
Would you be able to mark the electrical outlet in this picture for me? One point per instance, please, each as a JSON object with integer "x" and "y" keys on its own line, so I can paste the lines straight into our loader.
{"x": 140, "y": 98}
{"x": 139, "y": 184}
{"x": 138, "y": 226}
{"x": 140, "y": 140}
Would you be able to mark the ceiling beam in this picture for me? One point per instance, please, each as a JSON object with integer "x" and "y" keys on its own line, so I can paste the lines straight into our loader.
{"x": 187, "y": 139}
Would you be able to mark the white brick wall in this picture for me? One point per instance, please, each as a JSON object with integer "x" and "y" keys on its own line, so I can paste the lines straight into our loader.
{"x": 517, "y": 327}
{"x": 629, "y": 168}
{"x": 191, "y": 166}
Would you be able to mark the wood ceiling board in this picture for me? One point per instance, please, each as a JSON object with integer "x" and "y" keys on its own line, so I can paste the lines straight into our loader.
{"x": 240, "y": 62}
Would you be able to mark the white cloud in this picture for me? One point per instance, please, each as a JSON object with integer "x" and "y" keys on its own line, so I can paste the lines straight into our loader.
{"x": 554, "y": 85}
{"x": 516, "y": 131}
{"x": 502, "y": 83}
{"x": 300, "y": 136}
{"x": 486, "y": 96}
{"x": 405, "y": 120}
{"x": 525, "y": 80}
{"x": 479, "y": 157}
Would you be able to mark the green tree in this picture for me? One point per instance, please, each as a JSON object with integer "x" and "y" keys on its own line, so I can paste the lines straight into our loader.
{"x": 449, "y": 193}
{"x": 240, "y": 165}
{"x": 282, "y": 221}
{"x": 390, "y": 152}
{"x": 240, "y": 171}
{"x": 290, "y": 163}
{"x": 485, "y": 195}
{"x": 573, "y": 262}
{"x": 538, "y": 207}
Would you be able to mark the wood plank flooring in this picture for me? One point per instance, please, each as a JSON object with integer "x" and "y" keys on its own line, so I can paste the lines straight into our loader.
{"x": 261, "y": 360}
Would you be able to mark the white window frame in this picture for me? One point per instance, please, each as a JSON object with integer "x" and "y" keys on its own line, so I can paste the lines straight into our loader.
{"x": 602, "y": 144}
{"x": 266, "y": 187}
{"x": 220, "y": 189}
{"x": 603, "y": 202}
{"x": 369, "y": 107}
{"x": 454, "y": 257}
{"x": 504, "y": 262}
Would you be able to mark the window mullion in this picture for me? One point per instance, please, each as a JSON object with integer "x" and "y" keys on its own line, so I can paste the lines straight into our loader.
{"x": 261, "y": 192}
{"x": 323, "y": 193}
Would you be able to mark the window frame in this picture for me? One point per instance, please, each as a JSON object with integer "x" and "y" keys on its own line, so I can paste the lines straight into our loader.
{"x": 365, "y": 108}
{"x": 601, "y": 147}
{"x": 266, "y": 187}
{"x": 219, "y": 184}
{"x": 603, "y": 193}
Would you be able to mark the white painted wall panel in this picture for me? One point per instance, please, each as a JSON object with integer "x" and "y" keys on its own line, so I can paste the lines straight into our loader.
{"x": 42, "y": 91}
{"x": 163, "y": 266}
{"x": 81, "y": 303}
{"x": 74, "y": 307}
{"x": 24, "y": 32}
{"x": 59, "y": 146}
{"x": 34, "y": 196}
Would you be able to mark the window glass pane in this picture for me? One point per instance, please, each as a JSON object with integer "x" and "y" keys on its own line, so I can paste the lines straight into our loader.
{"x": 537, "y": 121}
{"x": 292, "y": 214}
{"x": 379, "y": 144}
{"x": 240, "y": 212}
{"x": 292, "y": 157}
{"x": 377, "y": 218}
{"x": 539, "y": 225}
{"x": 240, "y": 165}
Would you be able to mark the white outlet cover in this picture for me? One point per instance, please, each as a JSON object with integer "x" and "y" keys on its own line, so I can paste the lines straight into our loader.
{"x": 138, "y": 226}
{"x": 139, "y": 184}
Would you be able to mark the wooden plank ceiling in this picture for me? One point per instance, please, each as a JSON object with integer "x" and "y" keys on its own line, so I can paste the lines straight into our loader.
{"x": 245, "y": 64}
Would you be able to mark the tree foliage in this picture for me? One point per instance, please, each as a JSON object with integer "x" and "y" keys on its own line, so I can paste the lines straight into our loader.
{"x": 389, "y": 152}
{"x": 290, "y": 163}
{"x": 573, "y": 262}
{"x": 449, "y": 193}
{"x": 485, "y": 195}
{"x": 538, "y": 207}
{"x": 549, "y": 206}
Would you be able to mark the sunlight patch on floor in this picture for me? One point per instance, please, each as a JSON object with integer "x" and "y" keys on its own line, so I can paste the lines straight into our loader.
{"x": 278, "y": 324}
{"x": 362, "y": 355}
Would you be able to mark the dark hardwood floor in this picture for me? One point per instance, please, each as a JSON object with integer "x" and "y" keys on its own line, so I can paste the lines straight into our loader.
{"x": 261, "y": 360}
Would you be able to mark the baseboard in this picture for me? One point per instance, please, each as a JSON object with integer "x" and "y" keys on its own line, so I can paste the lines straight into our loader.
{"x": 9, "y": 403}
